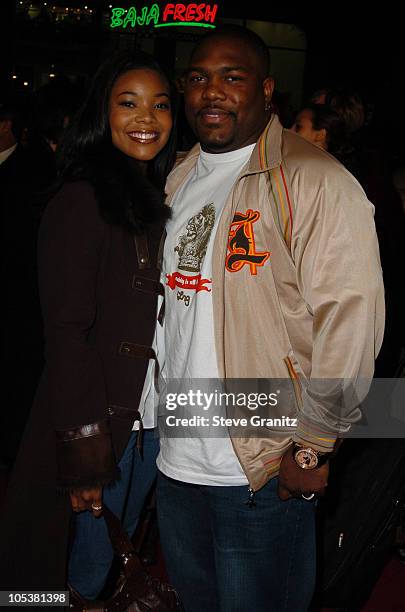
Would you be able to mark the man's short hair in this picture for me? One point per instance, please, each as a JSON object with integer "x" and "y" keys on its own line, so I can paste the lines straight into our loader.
{"x": 252, "y": 39}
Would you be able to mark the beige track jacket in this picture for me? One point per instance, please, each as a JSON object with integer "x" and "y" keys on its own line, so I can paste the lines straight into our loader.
{"x": 297, "y": 291}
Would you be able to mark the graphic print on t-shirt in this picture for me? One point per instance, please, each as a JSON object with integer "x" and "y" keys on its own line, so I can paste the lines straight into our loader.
{"x": 191, "y": 250}
{"x": 241, "y": 243}
{"x": 186, "y": 342}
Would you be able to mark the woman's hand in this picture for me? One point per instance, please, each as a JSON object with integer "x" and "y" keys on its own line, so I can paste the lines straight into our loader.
{"x": 87, "y": 499}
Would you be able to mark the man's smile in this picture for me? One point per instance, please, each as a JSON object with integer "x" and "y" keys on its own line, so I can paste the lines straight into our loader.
{"x": 214, "y": 115}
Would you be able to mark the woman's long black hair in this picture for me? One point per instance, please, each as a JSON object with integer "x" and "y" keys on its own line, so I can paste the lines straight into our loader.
{"x": 126, "y": 196}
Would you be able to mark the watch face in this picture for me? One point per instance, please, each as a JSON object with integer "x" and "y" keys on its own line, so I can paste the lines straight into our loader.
{"x": 306, "y": 458}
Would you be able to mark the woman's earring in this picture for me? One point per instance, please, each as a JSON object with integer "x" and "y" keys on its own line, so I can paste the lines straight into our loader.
{"x": 267, "y": 106}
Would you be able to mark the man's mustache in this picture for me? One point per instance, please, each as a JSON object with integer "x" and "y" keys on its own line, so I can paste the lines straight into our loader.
{"x": 214, "y": 109}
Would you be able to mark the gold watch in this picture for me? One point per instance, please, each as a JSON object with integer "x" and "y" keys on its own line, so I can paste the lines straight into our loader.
{"x": 308, "y": 458}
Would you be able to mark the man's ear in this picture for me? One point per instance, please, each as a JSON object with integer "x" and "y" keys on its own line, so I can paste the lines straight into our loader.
{"x": 268, "y": 88}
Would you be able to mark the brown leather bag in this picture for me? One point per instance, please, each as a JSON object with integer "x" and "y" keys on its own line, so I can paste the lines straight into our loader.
{"x": 136, "y": 590}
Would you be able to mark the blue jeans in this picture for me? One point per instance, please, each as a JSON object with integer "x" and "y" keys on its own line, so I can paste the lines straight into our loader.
{"x": 91, "y": 555}
{"x": 223, "y": 556}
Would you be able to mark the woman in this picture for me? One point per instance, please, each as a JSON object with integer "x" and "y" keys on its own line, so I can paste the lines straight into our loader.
{"x": 99, "y": 286}
{"x": 323, "y": 127}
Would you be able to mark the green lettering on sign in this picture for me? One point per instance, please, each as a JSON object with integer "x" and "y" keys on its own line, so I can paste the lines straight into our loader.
{"x": 116, "y": 15}
{"x": 131, "y": 17}
{"x": 141, "y": 20}
{"x": 153, "y": 15}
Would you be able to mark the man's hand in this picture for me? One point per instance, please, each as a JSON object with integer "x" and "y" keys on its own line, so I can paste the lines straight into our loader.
{"x": 293, "y": 480}
{"x": 87, "y": 499}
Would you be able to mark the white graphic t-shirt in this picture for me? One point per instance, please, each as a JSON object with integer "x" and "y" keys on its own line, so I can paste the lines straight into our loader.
{"x": 188, "y": 331}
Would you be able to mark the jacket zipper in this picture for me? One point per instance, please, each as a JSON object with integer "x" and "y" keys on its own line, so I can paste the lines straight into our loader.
{"x": 250, "y": 502}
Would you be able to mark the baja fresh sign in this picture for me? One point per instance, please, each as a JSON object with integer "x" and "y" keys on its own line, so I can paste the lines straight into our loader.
{"x": 202, "y": 15}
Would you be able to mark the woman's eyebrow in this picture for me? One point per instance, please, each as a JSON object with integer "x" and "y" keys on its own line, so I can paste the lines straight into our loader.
{"x": 133, "y": 93}
{"x": 128, "y": 93}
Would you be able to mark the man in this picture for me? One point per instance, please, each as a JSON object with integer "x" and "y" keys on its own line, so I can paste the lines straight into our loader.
{"x": 272, "y": 270}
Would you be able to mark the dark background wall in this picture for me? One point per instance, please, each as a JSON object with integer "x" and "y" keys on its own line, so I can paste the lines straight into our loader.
{"x": 354, "y": 43}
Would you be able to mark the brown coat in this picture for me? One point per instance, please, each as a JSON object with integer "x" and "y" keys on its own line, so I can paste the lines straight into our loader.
{"x": 99, "y": 300}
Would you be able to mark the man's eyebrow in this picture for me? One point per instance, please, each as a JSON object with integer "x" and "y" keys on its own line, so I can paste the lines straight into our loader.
{"x": 232, "y": 68}
{"x": 195, "y": 69}
{"x": 223, "y": 69}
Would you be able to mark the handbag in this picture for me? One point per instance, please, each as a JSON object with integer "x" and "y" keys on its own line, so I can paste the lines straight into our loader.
{"x": 136, "y": 590}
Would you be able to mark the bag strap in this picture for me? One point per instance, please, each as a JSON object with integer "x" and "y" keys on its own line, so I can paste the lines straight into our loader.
{"x": 121, "y": 543}
{"x": 136, "y": 589}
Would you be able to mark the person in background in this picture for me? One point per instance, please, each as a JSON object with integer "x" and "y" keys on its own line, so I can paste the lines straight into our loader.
{"x": 357, "y": 148}
{"x": 346, "y": 103}
{"x": 323, "y": 127}
{"x": 53, "y": 106}
{"x": 29, "y": 133}
{"x": 362, "y": 462}
{"x": 21, "y": 321}
{"x": 99, "y": 286}
{"x": 11, "y": 126}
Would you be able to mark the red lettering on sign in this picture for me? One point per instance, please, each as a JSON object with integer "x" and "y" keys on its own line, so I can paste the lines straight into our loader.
{"x": 190, "y": 13}
{"x": 200, "y": 12}
{"x": 169, "y": 10}
{"x": 210, "y": 12}
{"x": 178, "y": 12}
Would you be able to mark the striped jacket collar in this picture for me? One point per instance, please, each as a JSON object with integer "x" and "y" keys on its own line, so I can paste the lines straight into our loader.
{"x": 266, "y": 155}
{"x": 267, "y": 152}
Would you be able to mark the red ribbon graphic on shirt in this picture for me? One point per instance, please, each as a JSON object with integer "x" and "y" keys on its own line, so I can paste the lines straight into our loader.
{"x": 193, "y": 283}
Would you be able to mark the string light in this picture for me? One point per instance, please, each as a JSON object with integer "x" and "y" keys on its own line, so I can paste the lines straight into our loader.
{"x": 14, "y": 76}
{"x": 25, "y": 83}
{"x": 51, "y": 75}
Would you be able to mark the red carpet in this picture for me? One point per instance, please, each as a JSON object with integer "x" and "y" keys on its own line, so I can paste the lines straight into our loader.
{"x": 389, "y": 593}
